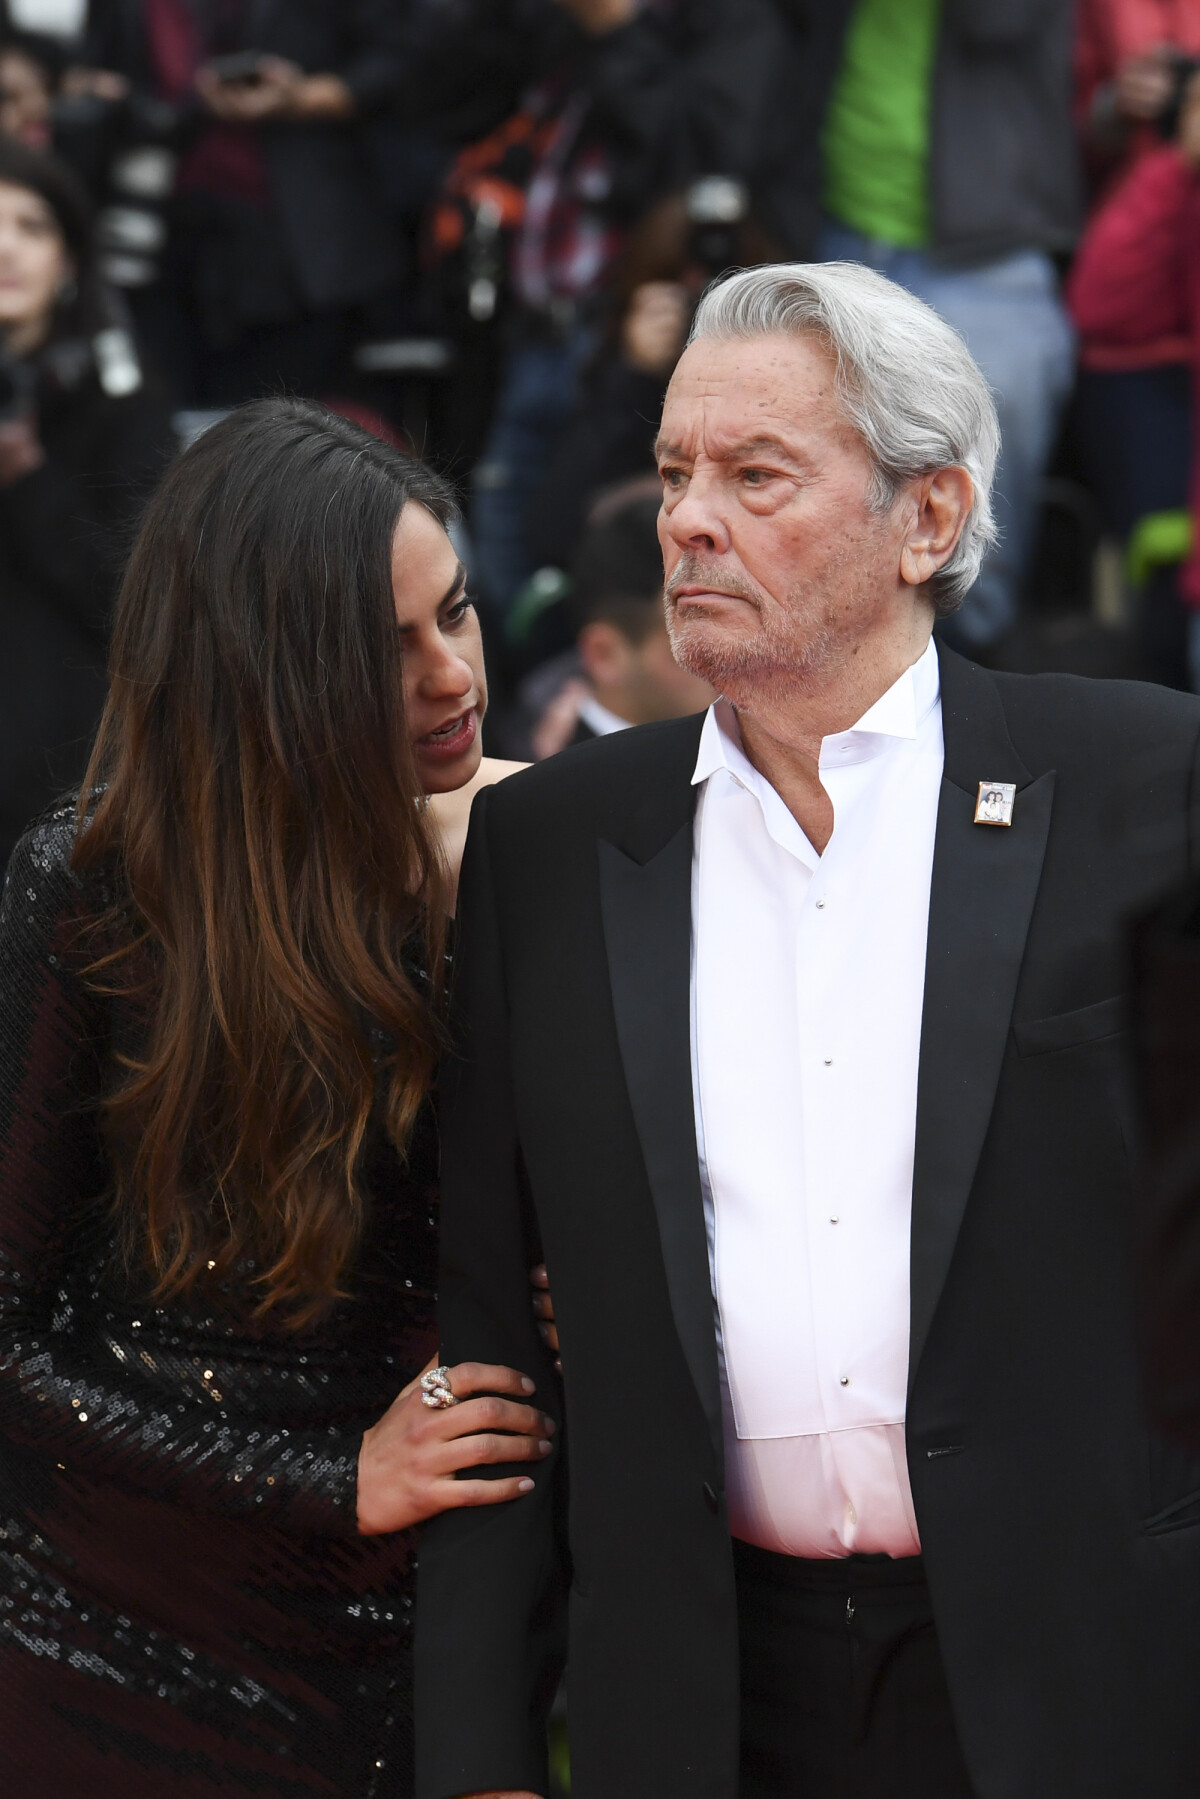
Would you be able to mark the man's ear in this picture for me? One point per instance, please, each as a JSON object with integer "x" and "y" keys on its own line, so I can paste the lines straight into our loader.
{"x": 944, "y": 500}
{"x": 604, "y": 652}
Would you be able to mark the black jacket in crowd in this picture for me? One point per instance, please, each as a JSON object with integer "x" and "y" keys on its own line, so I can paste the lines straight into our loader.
{"x": 1004, "y": 162}
{"x": 1060, "y": 1533}
{"x": 339, "y": 240}
{"x": 64, "y": 530}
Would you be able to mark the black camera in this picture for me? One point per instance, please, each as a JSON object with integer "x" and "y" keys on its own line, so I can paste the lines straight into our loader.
{"x": 716, "y": 208}
{"x": 17, "y": 384}
{"x": 1182, "y": 70}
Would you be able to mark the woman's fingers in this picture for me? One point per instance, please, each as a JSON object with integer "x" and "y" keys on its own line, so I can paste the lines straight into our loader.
{"x": 543, "y": 1308}
{"x": 492, "y": 1414}
{"x": 486, "y": 1377}
{"x": 483, "y": 1449}
{"x": 481, "y": 1492}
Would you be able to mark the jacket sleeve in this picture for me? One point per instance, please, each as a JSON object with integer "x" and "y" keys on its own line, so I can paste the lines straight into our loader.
{"x": 1093, "y": 59}
{"x": 681, "y": 98}
{"x": 1129, "y": 284}
{"x": 490, "y": 1614}
{"x": 373, "y": 64}
{"x": 66, "y": 1393}
{"x": 64, "y": 526}
{"x": 1002, "y": 24}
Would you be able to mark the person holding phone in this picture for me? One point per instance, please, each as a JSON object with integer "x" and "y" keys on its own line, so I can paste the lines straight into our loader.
{"x": 278, "y": 244}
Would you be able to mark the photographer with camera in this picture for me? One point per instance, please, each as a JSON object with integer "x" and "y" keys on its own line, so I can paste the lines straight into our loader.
{"x": 82, "y": 437}
{"x": 669, "y": 258}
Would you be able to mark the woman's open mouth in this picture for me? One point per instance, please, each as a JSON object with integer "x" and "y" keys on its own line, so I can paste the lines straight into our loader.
{"x": 452, "y": 738}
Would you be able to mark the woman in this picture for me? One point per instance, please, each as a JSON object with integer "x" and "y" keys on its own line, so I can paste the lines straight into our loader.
{"x": 221, "y": 974}
{"x": 82, "y": 439}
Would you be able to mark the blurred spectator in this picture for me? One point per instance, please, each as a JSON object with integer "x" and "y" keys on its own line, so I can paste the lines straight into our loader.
{"x": 628, "y": 675}
{"x": 1134, "y": 400}
{"x": 1135, "y": 285}
{"x": 30, "y": 71}
{"x": 626, "y": 101}
{"x": 279, "y": 248}
{"x": 1127, "y": 69}
{"x": 668, "y": 261}
{"x": 82, "y": 437}
{"x": 950, "y": 165}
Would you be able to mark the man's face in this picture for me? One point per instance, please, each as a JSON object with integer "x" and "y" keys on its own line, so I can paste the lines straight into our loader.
{"x": 777, "y": 567}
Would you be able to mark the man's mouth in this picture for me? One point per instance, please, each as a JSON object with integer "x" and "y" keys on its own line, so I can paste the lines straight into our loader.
{"x": 681, "y": 595}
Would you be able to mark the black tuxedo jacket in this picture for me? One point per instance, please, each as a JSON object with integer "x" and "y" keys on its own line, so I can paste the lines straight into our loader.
{"x": 1061, "y": 1536}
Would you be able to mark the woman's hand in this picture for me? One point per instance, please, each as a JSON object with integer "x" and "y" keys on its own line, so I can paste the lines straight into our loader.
{"x": 279, "y": 90}
{"x": 1144, "y": 83}
{"x": 20, "y": 449}
{"x": 543, "y": 1310}
{"x": 409, "y": 1460}
{"x": 655, "y": 326}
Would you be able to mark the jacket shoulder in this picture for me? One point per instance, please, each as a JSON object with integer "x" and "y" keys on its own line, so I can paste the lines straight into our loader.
{"x": 1064, "y": 716}
{"x": 604, "y": 776}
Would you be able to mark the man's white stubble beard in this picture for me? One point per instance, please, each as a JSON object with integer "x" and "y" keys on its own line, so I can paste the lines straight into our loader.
{"x": 772, "y": 664}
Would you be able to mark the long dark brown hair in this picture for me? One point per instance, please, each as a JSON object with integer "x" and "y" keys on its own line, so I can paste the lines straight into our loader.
{"x": 252, "y": 790}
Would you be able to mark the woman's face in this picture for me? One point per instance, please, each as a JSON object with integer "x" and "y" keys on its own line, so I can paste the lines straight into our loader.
{"x": 24, "y": 100}
{"x": 33, "y": 265}
{"x": 445, "y": 688}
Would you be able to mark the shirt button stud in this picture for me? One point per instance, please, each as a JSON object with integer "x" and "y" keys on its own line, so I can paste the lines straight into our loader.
{"x": 845, "y": 1380}
{"x": 820, "y": 905}
{"x": 829, "y": 1061}
{"x": 834, "y": 1219}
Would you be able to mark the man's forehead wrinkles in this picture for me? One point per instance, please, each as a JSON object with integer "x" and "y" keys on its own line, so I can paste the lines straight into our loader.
{"x": 723, "y": 444}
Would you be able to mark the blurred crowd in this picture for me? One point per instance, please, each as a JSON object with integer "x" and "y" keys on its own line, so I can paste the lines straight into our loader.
{"x": 480, "y": 227}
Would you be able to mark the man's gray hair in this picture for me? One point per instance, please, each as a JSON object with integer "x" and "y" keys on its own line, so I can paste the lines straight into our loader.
{"x": 906, "y": 382}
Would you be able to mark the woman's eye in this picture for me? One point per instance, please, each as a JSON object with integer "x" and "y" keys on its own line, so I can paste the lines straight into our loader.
{"x": 459, "y": 610}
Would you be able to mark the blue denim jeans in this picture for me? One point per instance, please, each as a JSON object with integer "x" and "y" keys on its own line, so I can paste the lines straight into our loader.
{"x": 1013, "y": 321}
{"x": 539, "y": 390}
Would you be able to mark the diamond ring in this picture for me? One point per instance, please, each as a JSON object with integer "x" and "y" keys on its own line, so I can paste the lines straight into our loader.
{"x": 436, "y": 1391}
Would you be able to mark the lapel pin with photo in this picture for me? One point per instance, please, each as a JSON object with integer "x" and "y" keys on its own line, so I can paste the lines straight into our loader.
{"x": 995, "y": 803}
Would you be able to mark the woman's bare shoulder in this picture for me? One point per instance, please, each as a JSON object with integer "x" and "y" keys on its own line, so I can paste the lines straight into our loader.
{"x": 491, "y": 770}
{"x": 451, "y": 811}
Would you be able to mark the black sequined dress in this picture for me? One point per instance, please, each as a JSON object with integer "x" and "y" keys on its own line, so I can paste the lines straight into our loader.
{"x": 186, "y": 1609}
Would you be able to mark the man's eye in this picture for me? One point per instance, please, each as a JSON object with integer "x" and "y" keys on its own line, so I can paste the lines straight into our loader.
{"x": 671, "y": 477}
{"x": 756, "y": 476}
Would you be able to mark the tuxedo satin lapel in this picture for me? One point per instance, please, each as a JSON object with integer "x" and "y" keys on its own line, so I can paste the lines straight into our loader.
{"x": 985, "y": 882}
{"x": 647, "y": 911}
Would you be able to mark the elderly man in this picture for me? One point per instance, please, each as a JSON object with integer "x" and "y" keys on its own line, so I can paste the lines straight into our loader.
{"x": 803, "y": 1072}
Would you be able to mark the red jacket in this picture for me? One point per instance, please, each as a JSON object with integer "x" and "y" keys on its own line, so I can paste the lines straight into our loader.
{"x": 1136, "y": 278}
{"x": 1107, "y": 34}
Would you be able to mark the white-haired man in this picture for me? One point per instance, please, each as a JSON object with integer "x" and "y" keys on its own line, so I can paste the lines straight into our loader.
{"x": 791, "y": 1038}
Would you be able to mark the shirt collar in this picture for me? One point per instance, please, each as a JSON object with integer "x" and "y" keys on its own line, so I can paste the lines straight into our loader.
{"x": 898, "y": 713}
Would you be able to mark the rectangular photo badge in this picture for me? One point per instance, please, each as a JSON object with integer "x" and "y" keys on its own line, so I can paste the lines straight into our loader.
{"x": 995, "y": 803}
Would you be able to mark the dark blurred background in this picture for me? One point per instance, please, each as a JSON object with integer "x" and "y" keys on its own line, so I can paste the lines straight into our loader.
{"x": 480, "y": 227}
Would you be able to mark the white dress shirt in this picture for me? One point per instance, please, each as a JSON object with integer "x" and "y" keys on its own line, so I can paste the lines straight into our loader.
{"x": 808, "y": 978}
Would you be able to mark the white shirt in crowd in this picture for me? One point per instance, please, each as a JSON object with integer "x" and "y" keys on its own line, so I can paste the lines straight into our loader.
{"x": 599, "y": 719}
{"x": 807, "y": 986}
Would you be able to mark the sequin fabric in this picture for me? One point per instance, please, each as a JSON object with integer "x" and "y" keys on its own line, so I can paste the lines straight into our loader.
{"x": 186, "y": 1608}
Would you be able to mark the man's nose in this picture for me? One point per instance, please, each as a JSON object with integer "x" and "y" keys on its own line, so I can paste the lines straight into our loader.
{"x": 697, "y": 518}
